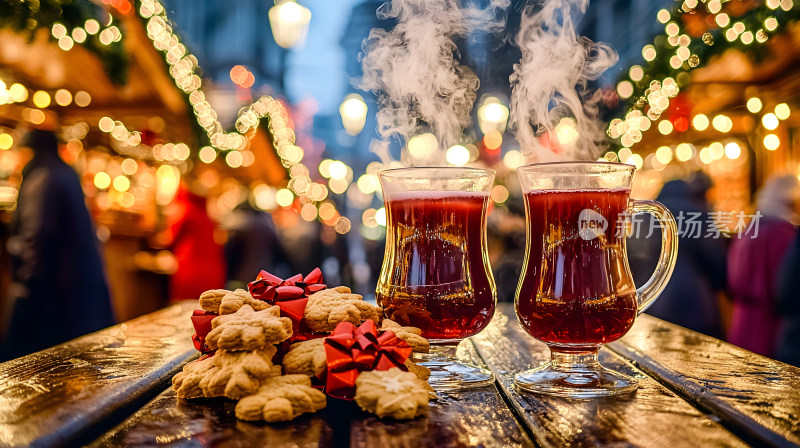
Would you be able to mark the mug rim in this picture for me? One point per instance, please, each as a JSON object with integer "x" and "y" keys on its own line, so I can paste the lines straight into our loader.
{"x": 579, "y": 162}
{"x": 391, "y": 171}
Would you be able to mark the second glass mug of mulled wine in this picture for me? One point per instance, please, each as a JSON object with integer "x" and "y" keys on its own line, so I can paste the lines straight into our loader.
{"x": 576, "y": 291}
{"x": 435, "y": 273}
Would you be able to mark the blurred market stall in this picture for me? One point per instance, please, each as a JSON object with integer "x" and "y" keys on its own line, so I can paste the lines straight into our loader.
{"x": 126, "y": 97}
{"x": 717, "y": 91}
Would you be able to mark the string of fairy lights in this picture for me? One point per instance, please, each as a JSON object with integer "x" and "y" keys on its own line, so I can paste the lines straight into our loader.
{"x": 308, "y": 197}
{"x": 183, "y": 67}
{"x": 650, "y": 87}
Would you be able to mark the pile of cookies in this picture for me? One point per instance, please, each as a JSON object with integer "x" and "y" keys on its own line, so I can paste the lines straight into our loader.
{"x": 245, "y": 336}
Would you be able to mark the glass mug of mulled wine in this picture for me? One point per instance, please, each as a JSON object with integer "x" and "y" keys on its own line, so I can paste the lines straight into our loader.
{"x": 435, "y": 273}
{"x": 576, "y": 291}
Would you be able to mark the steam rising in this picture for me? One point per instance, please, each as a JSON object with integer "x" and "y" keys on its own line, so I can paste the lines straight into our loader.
{"x": 415, "y": 68}
{"x": 549, "y": 82}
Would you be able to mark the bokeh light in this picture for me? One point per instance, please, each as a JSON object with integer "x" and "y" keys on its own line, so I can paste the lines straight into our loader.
{"x": 234, "y": 159}
{"x": 513, "y": 159}
{"x": 754, "y": 105}
{"x": 284, "y": 197}
{"x": 499, "y": 194}
{"x": 207, "y": 154}
{"x": 684, "y": 152}
{"x": 782, "y": 111}
{"x": 6, "y": 141}
{"x": 457, "y": 155}
{"x": 722, "y": 123}
{"x": 772, "y": 142}
{"x": 63, "y": 97}
{"x": 733, "y": 150}
{"x": 700, "y": 122}
{"x": 41, "y": 99}
{"x": 770, "y": 121}
{"x": 380, "y": 216}
{"x": 129, "y": 167}
{"x": 121, "y": 183}
{"x": 82, "y": 99}
{"x": 337, "y": 170}
{"x": 102, "y": 180}
{"x": 664, "y": 155}
{"x": 717, "y": 150}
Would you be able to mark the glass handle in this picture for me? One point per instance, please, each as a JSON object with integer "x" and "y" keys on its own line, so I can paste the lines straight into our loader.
{"x": 650, "y": 291}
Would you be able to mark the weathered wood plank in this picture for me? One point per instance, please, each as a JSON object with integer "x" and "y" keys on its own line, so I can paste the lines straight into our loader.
{"x": 478, "y": 417}
{"x": 166, "y": 420}
{"x": 70, "y": 393}
{"x": 475, "y": 418}
{"x": 653, "y": 416}
{"x": 751, "y": 393}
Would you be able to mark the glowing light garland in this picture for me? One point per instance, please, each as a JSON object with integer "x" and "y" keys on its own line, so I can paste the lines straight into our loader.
{"x": 183, "y": 68}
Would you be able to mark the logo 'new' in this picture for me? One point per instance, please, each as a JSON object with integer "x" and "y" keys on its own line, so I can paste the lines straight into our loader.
{"x": 591, "y": 224}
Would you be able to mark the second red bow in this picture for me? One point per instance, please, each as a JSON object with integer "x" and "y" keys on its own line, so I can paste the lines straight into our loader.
{"x": 350, "y": 350}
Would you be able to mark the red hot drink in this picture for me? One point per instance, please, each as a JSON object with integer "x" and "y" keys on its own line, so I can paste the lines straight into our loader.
{"x": 576, "y": 290}
{"x": 435, "y": 275}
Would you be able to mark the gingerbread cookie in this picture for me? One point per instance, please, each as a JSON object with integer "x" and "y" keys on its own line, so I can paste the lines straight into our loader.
{"x": 186, "y": 383}
{"x": 329, "y": 307}
{"x": 281, "y": 399}
{"x": 392, "y": 393}
{"x": 247, "y": 329}
{"x": 226, "y": 374}
{"x": 412, "y": 335}
{"x": 222, "y": 301}
{"x": 238, "y": 374}
{"x": 307, "y": 358}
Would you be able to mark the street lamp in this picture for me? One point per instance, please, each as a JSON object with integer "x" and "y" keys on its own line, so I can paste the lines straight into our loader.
{"x": 289, "y": 23}
{"x": 492, "y": 116}
{"x": 354, "y": 113}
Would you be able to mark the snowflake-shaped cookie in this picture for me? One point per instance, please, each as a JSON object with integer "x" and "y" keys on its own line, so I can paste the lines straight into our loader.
{"x": 247, "y": 329}
{"x": 281, "y": 399}
{"x": 392, "y": 393}
{"x": 187, "y": 382}
{"x": 238, "y": 374}
{"x": 226, "y": 374}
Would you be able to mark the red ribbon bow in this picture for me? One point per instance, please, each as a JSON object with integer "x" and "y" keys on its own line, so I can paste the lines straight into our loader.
{"x": 202, "y": 325}
{"x": 291, "y": 295}
{"x": 350, "y": 350}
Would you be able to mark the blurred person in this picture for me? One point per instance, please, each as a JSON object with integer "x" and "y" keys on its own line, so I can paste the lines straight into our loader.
{"x": 200, "y": 258}
{"x": 788, "y": 347}
{"x": 253, "y": 244}
{"x": 753, "y": 264}
{"x": 58, "y": 285}
{"x": 690, "y": 297}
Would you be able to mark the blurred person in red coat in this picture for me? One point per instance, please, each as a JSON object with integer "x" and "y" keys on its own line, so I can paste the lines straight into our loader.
{"x": 200, "y": 259}
{"x": 754, "y": 261}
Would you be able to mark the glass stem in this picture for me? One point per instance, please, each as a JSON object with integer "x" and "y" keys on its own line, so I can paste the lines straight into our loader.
{"x": 574, "y": 361}
{"x": 438, "y": 354}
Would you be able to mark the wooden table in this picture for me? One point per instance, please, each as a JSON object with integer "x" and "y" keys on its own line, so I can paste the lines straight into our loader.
{"x": 110, "y": 388}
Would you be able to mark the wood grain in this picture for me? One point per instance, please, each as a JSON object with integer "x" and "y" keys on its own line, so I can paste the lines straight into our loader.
{"x": 755, "y": 395}
{"x": 70, "y": 393}
{"x": 475, "y": 418}
{"x": 653, "y": 416}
